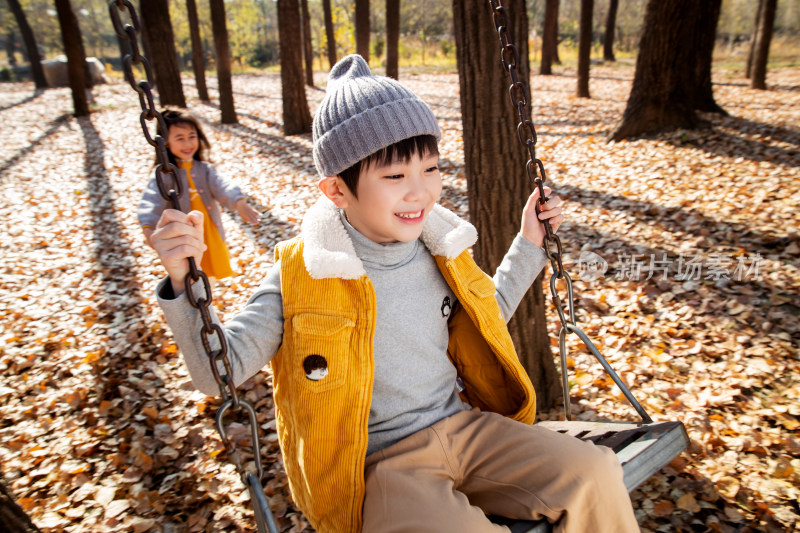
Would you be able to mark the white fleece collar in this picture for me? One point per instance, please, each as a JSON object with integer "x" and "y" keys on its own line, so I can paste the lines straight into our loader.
{"x": 328, "y": 251}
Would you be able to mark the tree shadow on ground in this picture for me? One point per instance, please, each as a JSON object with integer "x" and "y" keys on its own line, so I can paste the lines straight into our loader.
{"x": 719, "y": 142}
{"x": 54, "y": 125}
{"x": 776, "y": 87}
{"x": 773, "y": 132}
{"x": 676, "y": 219}
{"x": 753, "y": 289}
{"x": 36, "y": 94}
{"x": 118, "y": 294}
{"x": 278, "y": 146}
{"x": 714, "y": 503}
{"x": 270, "y": 231}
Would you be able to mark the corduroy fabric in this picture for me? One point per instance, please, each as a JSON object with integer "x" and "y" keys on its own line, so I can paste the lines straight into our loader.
{"x": 323, "y": 425}
{"x": 480, "y": 345}
{"x": 362, "y": 113}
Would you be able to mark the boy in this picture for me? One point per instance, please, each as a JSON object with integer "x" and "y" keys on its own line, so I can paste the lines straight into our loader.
{"x": 420, "y": 420}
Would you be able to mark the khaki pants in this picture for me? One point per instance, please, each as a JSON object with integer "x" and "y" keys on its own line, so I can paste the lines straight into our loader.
{"x": 445, "y": 478}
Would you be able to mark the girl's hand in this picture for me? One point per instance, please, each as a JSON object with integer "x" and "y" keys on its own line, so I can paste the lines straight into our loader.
{"x": 177, "y": 237}
{"x": 247, "y": 212}
{"x": 532, "y": 228}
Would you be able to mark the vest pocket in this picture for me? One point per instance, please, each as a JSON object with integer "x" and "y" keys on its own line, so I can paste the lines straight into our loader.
{"x": 322, "y": 348}
{"x": 480, "y": 284}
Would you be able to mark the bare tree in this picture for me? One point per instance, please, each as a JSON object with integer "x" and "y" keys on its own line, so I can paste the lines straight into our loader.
{"x": 611, "y": 24}
{"x": 752, "y": 50}
{"x": 664, "y": 84}
{"x": 145, "y": 45}
{"x": 164, "y": 58}
{"x": 584, "y": 47}
{"x": 30, "y": 44}
{"x": 763, "y": 39}
{"x": 198, "y": 58}
{"x": 329, "y": 36}
{"x": 296, "y": 116}
{"x": 392, "y": 38}
{"x": 308, "y": 54}
{"x": 362, "y": 28}
{"x": 706, "y": 36}
{"x": 76, "y": 57}
{"x": 497, "y": 183}
{"x": 223, "y": 56}
{"x": 556, "y": 57}
{"x": 549, "y": 36}
{"x": 12, "y": 517}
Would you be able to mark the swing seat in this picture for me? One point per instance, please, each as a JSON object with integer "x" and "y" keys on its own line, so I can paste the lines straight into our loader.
{"x": 642, "y": 449}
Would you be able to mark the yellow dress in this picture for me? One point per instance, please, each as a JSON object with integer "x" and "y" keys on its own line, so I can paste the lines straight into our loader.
{"x": 216, "y": 261}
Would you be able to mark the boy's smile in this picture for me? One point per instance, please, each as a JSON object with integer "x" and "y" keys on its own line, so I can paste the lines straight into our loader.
{"x": 395, "y": 199}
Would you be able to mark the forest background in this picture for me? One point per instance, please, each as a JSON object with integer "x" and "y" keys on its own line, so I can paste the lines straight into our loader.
{"x": 100, "y": 429}
{"x": 425, "y": 28}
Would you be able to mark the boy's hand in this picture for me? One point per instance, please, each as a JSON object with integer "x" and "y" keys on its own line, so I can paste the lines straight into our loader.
{"x": 177, "y": 237}
{"x": 247, "y": 212}
{"x": 148, "y": 231}
{"x": 532, "y": 228}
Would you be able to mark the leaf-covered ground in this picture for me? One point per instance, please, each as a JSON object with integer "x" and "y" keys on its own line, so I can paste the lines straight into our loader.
{"x": 101, "y": 430}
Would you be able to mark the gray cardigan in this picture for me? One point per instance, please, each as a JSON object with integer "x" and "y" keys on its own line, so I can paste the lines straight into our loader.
{"x": 213, "y": 188}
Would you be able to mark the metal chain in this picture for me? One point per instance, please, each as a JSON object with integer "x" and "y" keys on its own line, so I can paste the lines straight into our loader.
{"x": 170, "y": 187}
{"x": 520, "y": 98}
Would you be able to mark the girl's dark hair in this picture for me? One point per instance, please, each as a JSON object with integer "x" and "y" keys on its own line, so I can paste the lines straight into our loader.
{"x": 421, "y": 145}
{"x": 177, "y": 115}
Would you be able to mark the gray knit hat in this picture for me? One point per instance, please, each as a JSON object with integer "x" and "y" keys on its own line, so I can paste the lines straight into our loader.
{"x": 362, "y": 114}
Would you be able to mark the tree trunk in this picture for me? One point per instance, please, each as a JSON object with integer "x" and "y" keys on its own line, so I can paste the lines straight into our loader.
{"x": 164, "y": 58}
{"x": 362, "y": 29}
{"x": 296, "y": 116}
{"x": 30, "y": 44}
{"x": 392, "y": 38}
{"x": 495, "y": 168}
{"x": 549, "y": 36}
{"x": 145, "y": 49}
{"x": 198, "y": 59}
{"x": 308, "y": 53}
{"x": 556, "y": 58}
{"x": 662, "y": 97}
{"x": 584, "y": 48}
{"x": 763, "y": 39}
{"x": 76, "y": 59}
{"x": 222, "y": 49}
{"x": 87, "y": 73}
{"x": 611, "y": 23}
{"x": 752, "y": 52}
{"x": 329, "y": 36}
{"x": 12, "y": 517}
{"x": 706, "y": 37}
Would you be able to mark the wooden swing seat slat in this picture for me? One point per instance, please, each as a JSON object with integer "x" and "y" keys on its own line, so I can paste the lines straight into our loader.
{"x": 642, "y": 449}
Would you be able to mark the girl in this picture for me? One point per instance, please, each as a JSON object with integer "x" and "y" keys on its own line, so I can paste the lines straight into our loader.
{"x": 203, "y": 190}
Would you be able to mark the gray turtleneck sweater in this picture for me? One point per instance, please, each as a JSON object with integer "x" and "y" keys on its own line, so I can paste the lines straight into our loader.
{"x": 415, "y": 384}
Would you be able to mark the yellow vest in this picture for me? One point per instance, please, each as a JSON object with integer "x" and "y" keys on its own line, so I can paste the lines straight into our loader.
{"x": 322, "y": 425}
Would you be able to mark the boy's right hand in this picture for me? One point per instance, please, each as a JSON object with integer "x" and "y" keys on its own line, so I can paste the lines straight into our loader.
{"x": 177, "y": 237}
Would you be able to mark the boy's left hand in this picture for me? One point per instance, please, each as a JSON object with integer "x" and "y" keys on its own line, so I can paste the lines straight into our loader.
{"x": 532, "y": 228}
{"x": 247, "y": 212}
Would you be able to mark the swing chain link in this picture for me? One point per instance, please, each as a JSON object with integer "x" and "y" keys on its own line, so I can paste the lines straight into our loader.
{"x": 171, "y": 190}
{"x": 520, "y": 98}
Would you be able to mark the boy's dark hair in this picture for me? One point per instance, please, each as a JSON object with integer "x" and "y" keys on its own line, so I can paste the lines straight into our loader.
{"x": 421, "y": 145}
{"x": 177, "y": 115}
